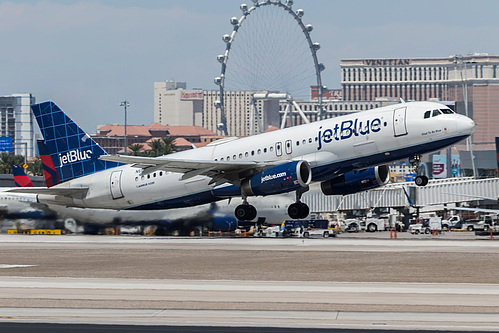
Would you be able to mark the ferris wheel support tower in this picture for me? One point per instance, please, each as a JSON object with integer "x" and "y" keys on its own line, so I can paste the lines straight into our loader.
{"x": 229, "y": 40}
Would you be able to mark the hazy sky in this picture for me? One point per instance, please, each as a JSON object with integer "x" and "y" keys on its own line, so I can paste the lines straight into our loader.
{"x": 88, "y": 56}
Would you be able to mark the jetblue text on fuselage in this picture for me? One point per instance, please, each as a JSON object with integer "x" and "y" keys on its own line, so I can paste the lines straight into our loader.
{"x": 74, "y": 156}
{"x": 346, "y": 129}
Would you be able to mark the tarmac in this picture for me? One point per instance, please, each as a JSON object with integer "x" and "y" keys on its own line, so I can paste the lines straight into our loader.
{"x": 354, "y": 281}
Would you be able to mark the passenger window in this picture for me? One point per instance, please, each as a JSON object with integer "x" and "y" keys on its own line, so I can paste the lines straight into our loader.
{"x": 427, "y": 114}
{"x": 241, "y": 155}
{"x": 264, "y": 150}
{"x": 246, "y": 154}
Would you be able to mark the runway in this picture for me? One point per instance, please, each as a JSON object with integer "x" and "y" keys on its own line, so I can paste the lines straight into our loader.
{"x": 446, "y": 283}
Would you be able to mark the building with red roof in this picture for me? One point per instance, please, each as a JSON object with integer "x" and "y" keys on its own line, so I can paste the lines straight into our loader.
{"x": 112, "y": 137}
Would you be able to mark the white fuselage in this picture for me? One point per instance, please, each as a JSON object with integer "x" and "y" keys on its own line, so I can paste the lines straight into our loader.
{"x": 331, "y": 147}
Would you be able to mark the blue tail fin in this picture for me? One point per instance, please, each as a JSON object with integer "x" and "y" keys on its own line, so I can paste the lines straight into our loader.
{"x": 74, "y": 152}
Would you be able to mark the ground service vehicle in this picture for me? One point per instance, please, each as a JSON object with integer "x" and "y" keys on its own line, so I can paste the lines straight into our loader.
{"x": 373, "y": 224}
{"x": 272, "y": 231}
{"x": 308, "y": 228}
{"x": 426, "y": 226}
{"x": 452, "y": 222}
{"x": 483, "y": 223}
{"x": 353, "y": 225}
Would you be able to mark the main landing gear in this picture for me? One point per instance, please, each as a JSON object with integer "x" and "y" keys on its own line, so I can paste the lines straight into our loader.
{"x": 245, "y": 212}
{"x": 299, "y": 210}
{"x": 421, "y": 180}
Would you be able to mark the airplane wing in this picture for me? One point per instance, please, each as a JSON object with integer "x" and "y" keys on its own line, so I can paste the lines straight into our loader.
{"x": 476, "y": 210}
{"x": 471, "y": 196}
{"x": 220, "y": 173}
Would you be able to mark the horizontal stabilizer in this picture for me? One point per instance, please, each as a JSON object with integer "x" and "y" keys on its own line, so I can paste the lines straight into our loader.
{"x": 63, "y": 191}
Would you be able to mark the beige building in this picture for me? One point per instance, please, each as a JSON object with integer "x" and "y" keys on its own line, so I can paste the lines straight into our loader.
{"x": 238, "y": 112}
{"x": 421, "y": 79}
{"x": 175, "y": 105}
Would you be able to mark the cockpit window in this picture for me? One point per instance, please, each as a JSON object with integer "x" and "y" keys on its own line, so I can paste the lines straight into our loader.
{"x": 427, "y": 114}
{"x": 447, "y": 111}
{"x": 436, "y": 113}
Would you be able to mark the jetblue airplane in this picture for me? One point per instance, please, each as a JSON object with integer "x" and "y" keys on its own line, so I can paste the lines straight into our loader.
{"x": 345, "y": 155}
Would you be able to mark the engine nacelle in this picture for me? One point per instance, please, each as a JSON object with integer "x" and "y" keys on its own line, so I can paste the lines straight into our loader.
{"x": 223, "y": 223}
{"x": 281, "y": 178}
{"x": 357, "y": 181}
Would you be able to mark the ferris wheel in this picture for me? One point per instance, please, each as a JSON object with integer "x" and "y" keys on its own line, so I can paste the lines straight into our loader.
{"x": 271, "y": 50}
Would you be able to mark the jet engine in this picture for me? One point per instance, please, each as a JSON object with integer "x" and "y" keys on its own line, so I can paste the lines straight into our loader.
{"x": 357, "y": 181}
{"x": 281, "y": 178}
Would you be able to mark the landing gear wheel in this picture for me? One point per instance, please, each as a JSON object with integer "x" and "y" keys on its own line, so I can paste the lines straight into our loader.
{"x": 421, "y": 180}
{"x": 304, "y": 210}
{"x": 245, "y": 212}
{"x": 298, "y": 210}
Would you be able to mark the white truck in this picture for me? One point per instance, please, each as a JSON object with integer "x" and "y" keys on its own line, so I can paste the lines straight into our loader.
{"x": 483, "y": 223}
{"x": 374, "y": 224}
{"x": 352, "y": 225}
{"x": 272, "y": 231}
{"x": 426, "y": 225}
{"x": 452, "y": 222}
{"x": 308, "y": 228}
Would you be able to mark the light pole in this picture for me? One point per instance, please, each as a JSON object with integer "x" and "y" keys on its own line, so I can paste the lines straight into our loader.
{"x": 125, "y": 104}
{"x": 461, "y": 65}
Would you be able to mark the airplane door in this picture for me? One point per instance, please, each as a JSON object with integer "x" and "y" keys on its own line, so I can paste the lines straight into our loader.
{"x": 399, "y": 122}
{"x": 278, "y": 148}
{"x": 289, "y": 148}
{"x": 116, "y": 192}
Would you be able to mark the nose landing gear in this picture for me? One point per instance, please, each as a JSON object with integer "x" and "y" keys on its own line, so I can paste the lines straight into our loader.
{"x": 421, "y": 179}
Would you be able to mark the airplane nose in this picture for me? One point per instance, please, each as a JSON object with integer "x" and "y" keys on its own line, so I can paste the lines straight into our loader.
{"x": 466, "y": 125}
